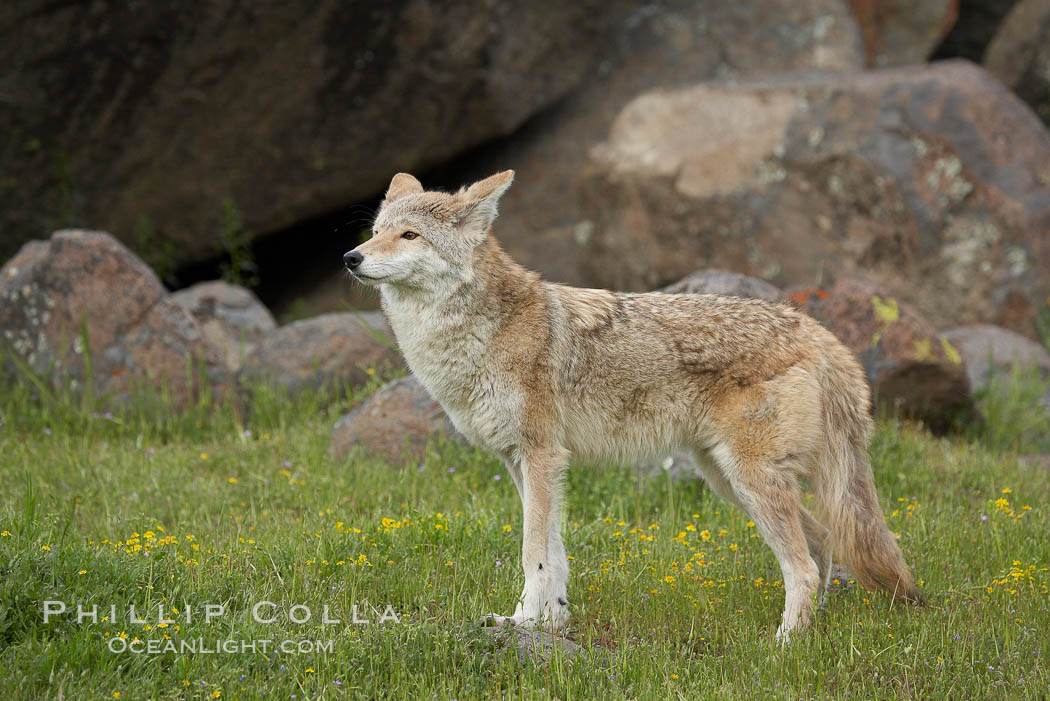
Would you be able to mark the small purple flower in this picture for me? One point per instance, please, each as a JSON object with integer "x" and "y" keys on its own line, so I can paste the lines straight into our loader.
{"x": 247, "y": 433}
{"x": 497, "y": 477}
{"x": 152, "y": 451}
{"x": 451, "y": 470}
{"x": 107, "y": 416}
{"x": 47, "y": 431}
{"x": 287, "y": 464}
{"x": 984, "y": 517}
{"x": 499, "y": 564}
{"x": 337, "y": 682}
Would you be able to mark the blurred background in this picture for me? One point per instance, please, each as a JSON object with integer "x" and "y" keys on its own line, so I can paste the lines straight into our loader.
{"x": 808, "y": 144}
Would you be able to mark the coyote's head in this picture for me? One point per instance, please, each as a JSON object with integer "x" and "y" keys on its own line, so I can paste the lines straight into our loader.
{"x": 426, "y": 240}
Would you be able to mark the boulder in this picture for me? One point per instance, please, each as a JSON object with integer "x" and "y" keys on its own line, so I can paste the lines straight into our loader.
{"x": 394, "y": 423}
{"x": 159, "y": 113}
{"x": 724, "y": 282}
{"x": 934, "y": 182}
{"x": 991, "y": 352}
{"x": 909, "y": 366}
{"x": 334, "y": 351}
{"x": 899, "y": 33}
{"x": 232, "y": 319}
{"x": 1019, "y": 54}
{"x": 81, "y": 284}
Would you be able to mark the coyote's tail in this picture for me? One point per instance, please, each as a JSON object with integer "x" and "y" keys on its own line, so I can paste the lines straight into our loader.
{"x": 846, "y": 499}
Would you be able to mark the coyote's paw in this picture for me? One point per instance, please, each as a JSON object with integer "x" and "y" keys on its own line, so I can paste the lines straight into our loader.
{"x": 553, "y": 620}
{"x": 532, "y": 612}
{"x": 786, "y": 630}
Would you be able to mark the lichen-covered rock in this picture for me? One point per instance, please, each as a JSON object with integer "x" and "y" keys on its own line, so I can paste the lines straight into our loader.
{"x": 991, "y": 352}
{"x": 932, "y": 181}
{"x": 336, "y": 350}
{"x": 232, "y": 318}
{"x": 910, "y": 367}
{"x": 86, "y": 284}
{"x": 395, "y": 423}
{"x": 724, "y": 282}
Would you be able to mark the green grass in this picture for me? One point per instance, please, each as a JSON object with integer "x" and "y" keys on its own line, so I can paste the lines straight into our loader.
{"x": 673, "y": 593}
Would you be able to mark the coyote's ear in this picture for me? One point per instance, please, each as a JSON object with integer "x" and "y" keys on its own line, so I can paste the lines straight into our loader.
{"x": 402, "y": 184}
{"x": 481, "y": 202}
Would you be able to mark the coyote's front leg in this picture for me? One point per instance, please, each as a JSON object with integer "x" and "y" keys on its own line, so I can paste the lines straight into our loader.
{"x": 544, "y": 600}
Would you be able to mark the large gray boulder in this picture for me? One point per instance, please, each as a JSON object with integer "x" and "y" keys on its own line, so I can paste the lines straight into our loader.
{"x": 991, "y": 353}
{"x": 933, "y": 182}
{"x": 394, "y": 423}
{"x": 334, "y": 351}
{"x": 231, "y": 317}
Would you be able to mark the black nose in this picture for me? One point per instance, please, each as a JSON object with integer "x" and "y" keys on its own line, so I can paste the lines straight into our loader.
{"x": 352, "y": 259}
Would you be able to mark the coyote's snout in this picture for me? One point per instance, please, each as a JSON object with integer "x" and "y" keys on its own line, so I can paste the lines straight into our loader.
{"x": 766, "y": 398}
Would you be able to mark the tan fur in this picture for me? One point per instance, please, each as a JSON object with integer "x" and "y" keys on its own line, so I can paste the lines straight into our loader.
{"x": 766, "y": 397}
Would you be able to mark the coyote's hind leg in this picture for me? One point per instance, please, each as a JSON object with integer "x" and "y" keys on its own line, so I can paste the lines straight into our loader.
{"x": 769, "y": 493}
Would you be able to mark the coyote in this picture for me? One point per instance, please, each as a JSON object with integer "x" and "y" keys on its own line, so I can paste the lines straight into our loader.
{"x": 537, "y": 372}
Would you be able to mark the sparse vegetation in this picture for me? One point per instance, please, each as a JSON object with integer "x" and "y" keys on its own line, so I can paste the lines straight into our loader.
{"x": 239, "y": 268}
{"x": 1012, "y": 416}
{"x": 296, "y": 311}
{"x": 157, "y": 251}
{"x": 1042, "y": 324}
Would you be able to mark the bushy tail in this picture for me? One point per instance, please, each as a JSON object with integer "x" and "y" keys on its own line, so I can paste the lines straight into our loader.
{"x": 849, "y": 506}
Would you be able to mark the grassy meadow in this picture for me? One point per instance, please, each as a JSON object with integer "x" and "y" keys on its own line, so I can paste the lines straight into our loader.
{"x": 673, "y": 593}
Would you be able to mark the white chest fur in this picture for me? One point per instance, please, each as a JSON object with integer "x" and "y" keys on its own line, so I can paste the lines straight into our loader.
{"x": 447, "y": 350}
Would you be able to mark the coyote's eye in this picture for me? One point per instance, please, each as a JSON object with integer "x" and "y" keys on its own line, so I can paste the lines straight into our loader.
{"x": 410, "y": 235}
